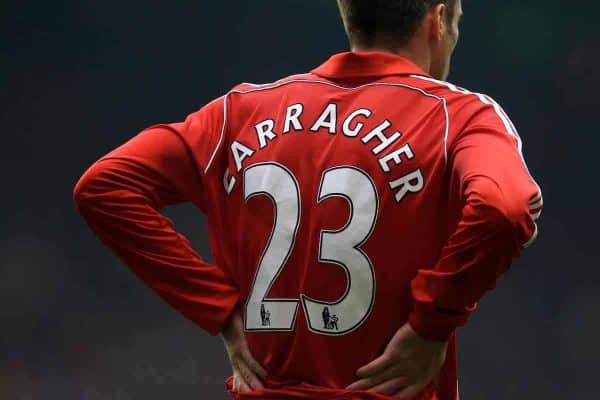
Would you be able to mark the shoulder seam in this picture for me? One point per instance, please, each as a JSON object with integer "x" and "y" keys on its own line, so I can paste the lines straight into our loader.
{"x": 259, "y": 85}
{"x": 214, "y": 153}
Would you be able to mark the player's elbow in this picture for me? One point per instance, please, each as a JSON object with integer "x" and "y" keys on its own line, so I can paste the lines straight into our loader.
{"x": 88, "y": 187}
{"x": 502, "y": 206}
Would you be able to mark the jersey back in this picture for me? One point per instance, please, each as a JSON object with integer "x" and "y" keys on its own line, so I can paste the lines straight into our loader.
{"x": 325, "y": 200}
{"x": 342, "y": 204}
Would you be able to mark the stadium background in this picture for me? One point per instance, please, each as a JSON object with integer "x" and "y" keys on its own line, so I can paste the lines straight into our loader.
{"x": 77, "y": 78}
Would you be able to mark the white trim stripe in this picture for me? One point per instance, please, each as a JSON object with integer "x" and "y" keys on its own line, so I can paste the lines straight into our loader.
{"x": 515, "y": 133}
{"x": 214, "y": 153}
{"x": 447, "y": 130}
{"x": 536, "y": 198}
{"x": 508, "y": 124}
{"x": 535, "y": 214}
{"x": 537, "y": 204}
{"x": 286, "y": 79}
{"x": 532, "y": 238}
{"x": 278, "y": 84}
{"x": 483, "y": 99}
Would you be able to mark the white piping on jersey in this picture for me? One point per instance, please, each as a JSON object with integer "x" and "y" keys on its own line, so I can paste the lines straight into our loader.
{"x": 533, "y": 237}
{"x": 537, "y": 202}
{"x": 258, "y": 85}
{"x": 222, "y": 131}
{"x": 258, "y": 88}
{"x": 508, "y": 124}
{"x": 536, "y": 198}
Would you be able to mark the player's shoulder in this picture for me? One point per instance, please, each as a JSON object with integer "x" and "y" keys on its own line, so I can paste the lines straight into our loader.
{"x": 452, "y": 94}
{"x": 218, "y": 107}
{"x": 460, "y": 103}
{"x": 246, "y": 87}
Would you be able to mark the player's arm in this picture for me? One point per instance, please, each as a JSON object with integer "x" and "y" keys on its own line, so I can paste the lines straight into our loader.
{"x": 121, "y": 196}
{"x": 500, "y": 203}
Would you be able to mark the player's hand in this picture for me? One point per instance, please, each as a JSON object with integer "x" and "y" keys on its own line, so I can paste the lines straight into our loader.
{"x": 408, "y": 364}
{"x": 247, "y": 372}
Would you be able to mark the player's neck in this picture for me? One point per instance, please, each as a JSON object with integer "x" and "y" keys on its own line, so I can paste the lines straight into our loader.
{"x": 411, "y": 52}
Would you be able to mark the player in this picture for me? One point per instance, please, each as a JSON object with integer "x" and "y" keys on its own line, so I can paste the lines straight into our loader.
{"x": 357, "y": 213}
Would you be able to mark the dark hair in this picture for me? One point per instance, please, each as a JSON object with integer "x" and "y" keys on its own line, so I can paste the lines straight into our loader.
{"x": 394, "y": 19}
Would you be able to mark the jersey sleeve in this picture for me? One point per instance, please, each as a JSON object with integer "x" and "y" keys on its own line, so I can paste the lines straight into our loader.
{"x": 121, "y": 195}
{"x": 500, "y": 203}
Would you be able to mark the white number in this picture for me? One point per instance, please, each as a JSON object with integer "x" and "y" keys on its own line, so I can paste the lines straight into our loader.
{"x": 276, "y": 182}
{"x": 341, "y": 247}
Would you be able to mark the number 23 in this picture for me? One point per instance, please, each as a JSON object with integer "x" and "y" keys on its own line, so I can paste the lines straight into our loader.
{"x": 340, "y": 247}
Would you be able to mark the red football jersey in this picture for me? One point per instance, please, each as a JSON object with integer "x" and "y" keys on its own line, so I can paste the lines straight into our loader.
{"x": 341, "y": 203}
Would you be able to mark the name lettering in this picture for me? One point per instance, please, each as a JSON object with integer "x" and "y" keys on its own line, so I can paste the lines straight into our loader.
{"x": 379, "y": 139}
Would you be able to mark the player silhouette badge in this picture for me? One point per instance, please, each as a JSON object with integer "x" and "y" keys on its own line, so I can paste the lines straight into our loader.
{"x": 330, "y": 322}
{"x": 265, "y": 316}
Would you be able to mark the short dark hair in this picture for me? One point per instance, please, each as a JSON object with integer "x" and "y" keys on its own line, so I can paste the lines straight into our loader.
{"x": 395, "y": 19}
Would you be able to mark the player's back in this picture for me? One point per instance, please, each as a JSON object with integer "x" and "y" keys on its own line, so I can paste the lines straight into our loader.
{"x": 333, "y": 193}
{"x": 341, "y": 204}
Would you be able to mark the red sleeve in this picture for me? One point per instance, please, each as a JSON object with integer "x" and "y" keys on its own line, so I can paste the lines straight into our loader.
{"x": 500, "y": 202}
{"x": 121, "y": 196}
